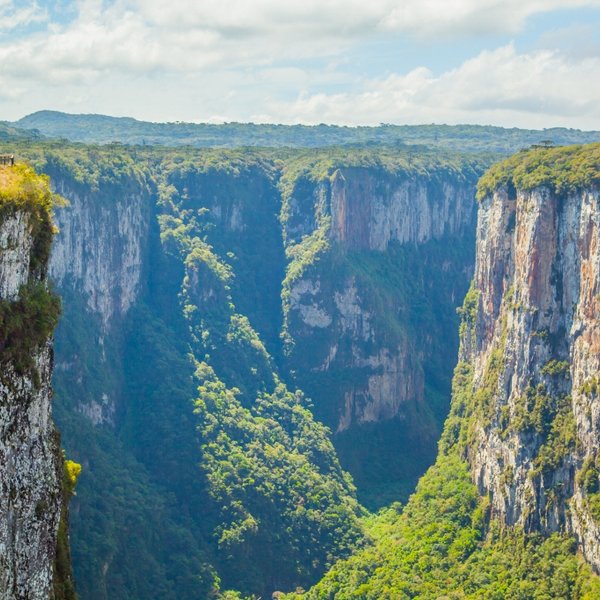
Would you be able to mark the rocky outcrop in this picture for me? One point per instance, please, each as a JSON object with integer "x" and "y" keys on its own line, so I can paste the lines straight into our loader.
{"x": 393, "y": 379}
{"x": 532, "y": 346}
{"x": 16, "y": 243}
{"x": 32, "y": 497}
{"x": 99, "y": 257}
{"x": 30, "y": 483}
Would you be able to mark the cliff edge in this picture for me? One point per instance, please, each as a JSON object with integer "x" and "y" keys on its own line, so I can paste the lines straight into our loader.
{"x": 531, "y": 344}
{"x": 34, "y": 479}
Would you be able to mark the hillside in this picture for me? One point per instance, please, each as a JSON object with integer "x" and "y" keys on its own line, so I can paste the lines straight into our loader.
{"x": 103, "y": 129}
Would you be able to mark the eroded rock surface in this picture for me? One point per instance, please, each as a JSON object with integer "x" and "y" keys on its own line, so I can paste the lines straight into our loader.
{"x": 534, "y": 350}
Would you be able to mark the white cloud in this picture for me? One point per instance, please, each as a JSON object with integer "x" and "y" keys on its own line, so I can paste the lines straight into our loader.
{"x": 459, "y": 17}
{"x": 14, "y": 15}
{"x": 349, "y": 17}
{"x": 265, "y": 60}
{"x": 537, "y": 89}
{"x": 145, "y": 36}
{"x": 579, "y": 40}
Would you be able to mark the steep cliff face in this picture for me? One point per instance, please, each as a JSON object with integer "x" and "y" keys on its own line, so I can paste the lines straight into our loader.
{"x": 16, "y": 243}
{"x": 371, "y": 215}
{"x": 98, "y": 263}
{"x": 32, "y": 495}
{"x": 31, "y": 490}
{"x": 101, "y": 247}
{"x": 380, "y": 256}
{"x": 531, "y": 344}
{"x": 372, "y": 208}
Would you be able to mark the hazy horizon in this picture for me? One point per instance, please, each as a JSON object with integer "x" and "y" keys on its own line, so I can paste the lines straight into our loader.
{"x": 290, "y": 124}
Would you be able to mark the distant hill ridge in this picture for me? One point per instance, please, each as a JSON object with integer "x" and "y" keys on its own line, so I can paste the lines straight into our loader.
{"x": 92, "y": 128}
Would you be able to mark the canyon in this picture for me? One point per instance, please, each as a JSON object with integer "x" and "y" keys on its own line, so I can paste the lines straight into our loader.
{"x": 256, "y": 345}
{"x": 312, "y": 255}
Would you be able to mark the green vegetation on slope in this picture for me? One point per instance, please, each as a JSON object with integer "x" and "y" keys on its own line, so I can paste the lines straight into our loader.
{"x": 445, "y": 544}
{"x": 129, "y": 537}
{"x": 318, "y": 164}
{"x": 441, "y": 545}
{"x": 279, "y": 503}
{"x": 562, "y": 169}
{"x": 8, "y": 132}
{"x": 25, "y": 326}
{"x": 286, "y": 509}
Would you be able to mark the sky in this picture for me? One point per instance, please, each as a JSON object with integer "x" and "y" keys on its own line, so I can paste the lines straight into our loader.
{"x": 514, "y": 63}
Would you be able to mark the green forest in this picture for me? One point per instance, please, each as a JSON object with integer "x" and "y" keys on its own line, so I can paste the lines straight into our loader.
{"x": 102, "y": 129}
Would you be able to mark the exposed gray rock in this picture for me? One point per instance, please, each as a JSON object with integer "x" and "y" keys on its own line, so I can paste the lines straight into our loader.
{"x": 15, "y": 252}
{"x": 365, "y": 210}
{"x": 538, "y": 276}
{"x": 302, "y": 299}
{"x": 370, "y": 212}
{"x": 99, "y": 249}
{"x": 30, "y": 460}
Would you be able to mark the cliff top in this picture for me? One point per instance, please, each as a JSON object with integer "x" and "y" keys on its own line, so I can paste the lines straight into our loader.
{"x": 20, "y": 185}
{"x": 563, "y": 169}
{"x": 22, "y": 189}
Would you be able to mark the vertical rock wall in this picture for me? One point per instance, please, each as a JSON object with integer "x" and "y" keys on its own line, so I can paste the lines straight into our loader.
{"x": 375, "y": 214}
{"x": 31, "y": 463}
{"x": 534, "y": 352}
